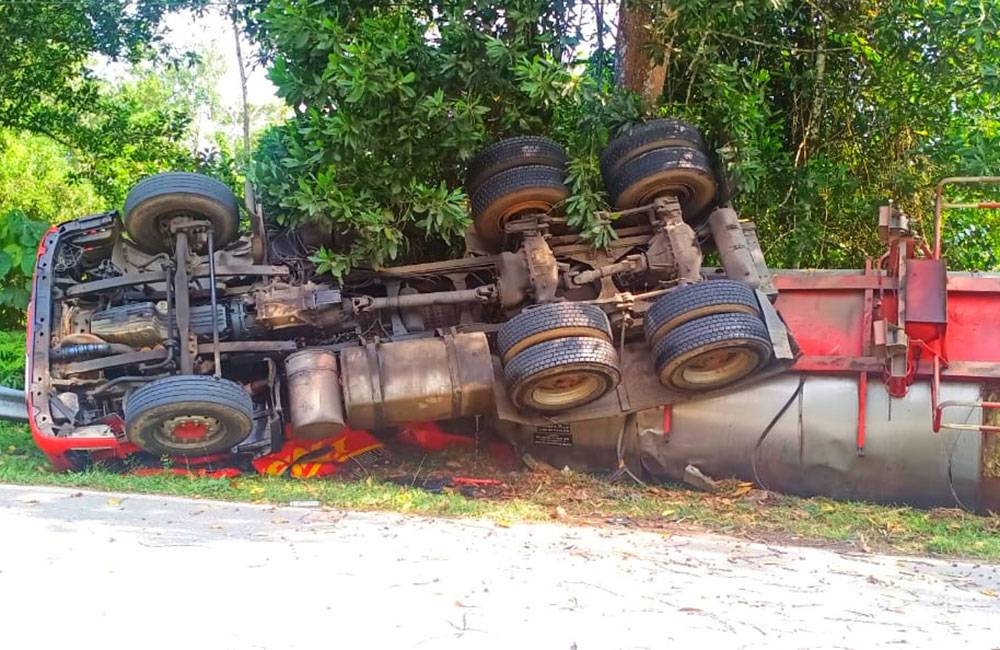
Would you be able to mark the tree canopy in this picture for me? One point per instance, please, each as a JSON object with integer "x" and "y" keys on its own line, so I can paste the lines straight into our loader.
{"x": 72, "y": 143}
{"x": 820, "y": 110}
{"x": 47, "y": 86}
{"x": 826, "y": 109}
{"x": 391, "y": 101}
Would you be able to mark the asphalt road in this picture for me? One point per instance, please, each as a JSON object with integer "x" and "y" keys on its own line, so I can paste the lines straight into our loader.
{"x": 83, "y": 569}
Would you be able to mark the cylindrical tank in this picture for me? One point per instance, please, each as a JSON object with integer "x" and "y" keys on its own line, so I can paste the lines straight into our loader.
{"x": 420, "y": 379}
{"x": 317, "y": 410}
{"x": 811, "y": 449}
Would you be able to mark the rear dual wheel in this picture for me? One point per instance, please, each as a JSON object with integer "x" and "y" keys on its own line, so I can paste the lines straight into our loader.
{"x": 562, "y": 374}
{"x": 712, "y": 352}
{"x": 558, "y": 356}
{"x": 707, "y": 336}
{"x": 512, "y": 178}
{"x": 657, "y": 159}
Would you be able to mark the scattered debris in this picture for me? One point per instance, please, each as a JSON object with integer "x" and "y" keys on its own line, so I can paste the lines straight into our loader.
{"x": 696, "y": 479}
{"x": 536, "y": 465}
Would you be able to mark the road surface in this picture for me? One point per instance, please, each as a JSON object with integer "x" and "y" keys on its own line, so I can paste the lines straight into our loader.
{"x": 85, "y": 569}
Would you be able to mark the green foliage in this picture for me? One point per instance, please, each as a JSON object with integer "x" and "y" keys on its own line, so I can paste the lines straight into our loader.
{"x": 391, "y": 102}
{"x": 42, "y": 179}
{"x": 12, "y": 358}
{"x": 19, "y": 235}
{"x": 824, "y": 110}
{"x": 44, "y": 51}
{"x": 145, "y": 127}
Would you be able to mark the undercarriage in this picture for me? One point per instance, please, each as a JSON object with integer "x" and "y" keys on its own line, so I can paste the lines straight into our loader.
{"x": 165, "y": 332}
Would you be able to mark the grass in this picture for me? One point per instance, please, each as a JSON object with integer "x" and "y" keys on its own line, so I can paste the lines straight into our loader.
{"x": 569, "y": 497}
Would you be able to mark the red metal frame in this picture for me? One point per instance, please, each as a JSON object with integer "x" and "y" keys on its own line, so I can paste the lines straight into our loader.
{"x": 55, "y": 448}
{"x": 939, "y": 207}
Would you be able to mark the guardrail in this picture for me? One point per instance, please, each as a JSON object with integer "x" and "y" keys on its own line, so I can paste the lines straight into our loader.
{"x": 12, "y": 405}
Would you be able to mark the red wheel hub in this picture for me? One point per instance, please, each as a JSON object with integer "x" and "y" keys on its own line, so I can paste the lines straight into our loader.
{"x": 190, "y": 431}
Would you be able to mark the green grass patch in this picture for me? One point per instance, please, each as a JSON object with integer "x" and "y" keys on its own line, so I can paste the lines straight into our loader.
{"x": 569, "y": 497}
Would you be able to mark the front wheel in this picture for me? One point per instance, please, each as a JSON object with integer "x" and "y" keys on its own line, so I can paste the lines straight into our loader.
{"x": 154, "y": 201}
{"x": 188, "y": 415}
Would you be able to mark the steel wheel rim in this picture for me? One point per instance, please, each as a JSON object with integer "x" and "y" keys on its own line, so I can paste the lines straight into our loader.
{"x": 566, "y": 389}
{"x": 176, "y": 432}
{"x": 717, "y": 367}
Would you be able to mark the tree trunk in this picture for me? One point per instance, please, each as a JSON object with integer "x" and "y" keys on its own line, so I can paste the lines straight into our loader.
{"x": 635, "y": 68}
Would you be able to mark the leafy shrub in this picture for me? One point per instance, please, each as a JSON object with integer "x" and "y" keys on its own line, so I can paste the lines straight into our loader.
{"x": 12, "y": 358}
{"x": 19, "y": 237}
{"x": 391, "y": 102}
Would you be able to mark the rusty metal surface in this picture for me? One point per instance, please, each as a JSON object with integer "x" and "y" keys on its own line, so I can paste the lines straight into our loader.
{"x": 734, "y": 250}
{"x": 827, "y": 312}
{"x": 543, "y": 272}
{"x": 314, "y": 401}
{"x": 418, "y": 379}
{"x": 465, "y": 264}
{"x": 182, "y": 303}
{"x": 838, "y": 280}
{"x": 587, "y": 445}
{"x": 153, "y": 277}
{"x": 811, "y": 449}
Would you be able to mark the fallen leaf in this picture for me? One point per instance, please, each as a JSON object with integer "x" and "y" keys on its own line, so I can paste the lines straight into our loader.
{"x": 990, "y": 593}
{"x": 668, "y": 513}
{"x": 741, "y": 489}
{"x": 114, "y": 502}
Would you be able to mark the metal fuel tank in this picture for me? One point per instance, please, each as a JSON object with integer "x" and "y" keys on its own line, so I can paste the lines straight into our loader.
{"x": 418, "y": 379}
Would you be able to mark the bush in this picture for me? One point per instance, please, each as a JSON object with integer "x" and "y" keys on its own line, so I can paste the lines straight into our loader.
{"x": 12, "y": 358}
{"x": 391, "y": 102}
{"x": 19, "y": 237}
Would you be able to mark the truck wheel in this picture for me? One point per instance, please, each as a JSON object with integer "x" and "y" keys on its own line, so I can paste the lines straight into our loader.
{"x": 680, "y": 171}
{"x": 551, "y": 321}
{"x": 562, "y": 374}
{"x": 712, "y": 352}
{"x": 514, "y": 192}
{"x": 188, "y": 415}
{"x": 155, "y": 200}
{"x": 513, "y": 152}
{"x": 692, "y": 301}
{"x": 645, "y": 137}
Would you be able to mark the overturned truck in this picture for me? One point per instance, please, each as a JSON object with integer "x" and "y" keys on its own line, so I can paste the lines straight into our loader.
{"x": 165, "y": 332}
